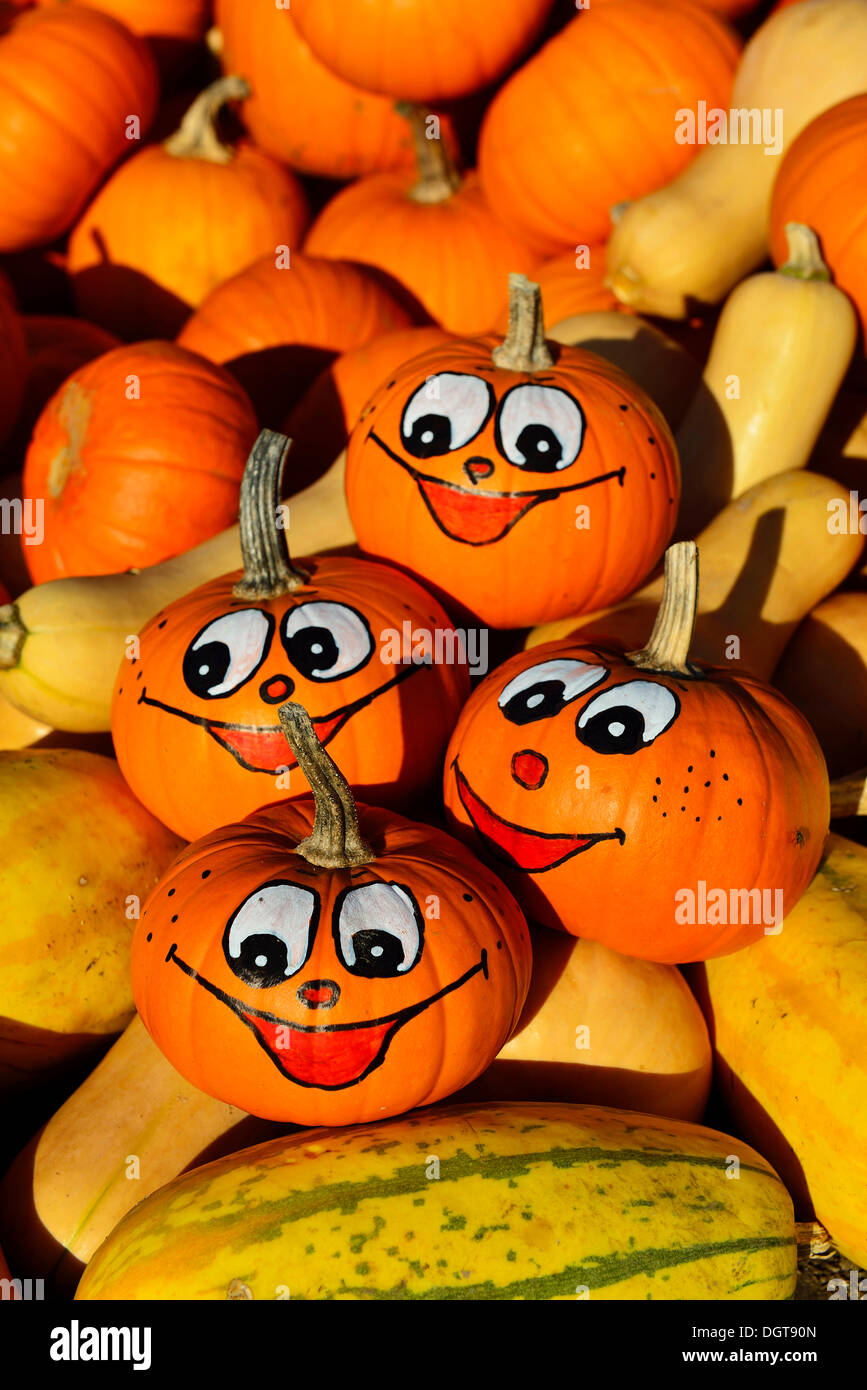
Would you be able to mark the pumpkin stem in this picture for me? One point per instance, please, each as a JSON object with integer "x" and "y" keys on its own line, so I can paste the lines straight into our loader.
{"x": 805, "y": 257}
{"x": 335, "y": 842}
{"x": 12, "y": 635}
{"x": 268, "y": 571}
{"x": 438, "y": 177}
{"x": 668, "y": 648}
{"x": 524, "y": 348}
{"x": 196, "y": 137}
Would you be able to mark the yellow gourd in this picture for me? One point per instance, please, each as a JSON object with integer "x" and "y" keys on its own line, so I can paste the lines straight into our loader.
{"x": 699, "y": 235}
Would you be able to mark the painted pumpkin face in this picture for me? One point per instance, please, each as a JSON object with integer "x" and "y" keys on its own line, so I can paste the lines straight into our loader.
{"x": 524, "y": 495}
{"x": 322, "y": 995}
{"x": 608, "y": 795}
{"x": 194, "y": 716}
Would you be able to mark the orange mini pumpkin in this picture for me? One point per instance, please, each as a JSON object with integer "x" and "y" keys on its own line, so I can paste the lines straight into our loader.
{"x": 470, "y": 465}
{"x": 371, "y": 654}
{"x": 331, "y": 981}
{"x": 671, "y": 811}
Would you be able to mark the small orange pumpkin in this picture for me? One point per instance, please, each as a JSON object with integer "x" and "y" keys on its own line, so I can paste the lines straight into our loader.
{"x": 289, "y": 967}
{"x": 193, "y": 716}
{"x": 70, "y": 81}
{"x": 671, "y": 811}
{"x": 149, "y": 248}
{"x": 171, "y": 27}
{"x": 117, "y": 457}
{"x": 479, "y": 458}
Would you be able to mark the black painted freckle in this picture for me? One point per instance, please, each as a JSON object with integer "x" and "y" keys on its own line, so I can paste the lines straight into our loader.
{"x": 172, "y": 892}
{"x": 740, "y": 801}
{"x": 683, "y": 808}
{"x": 725, "y": 777}
{"x": 659, "y": 781}
{"x": 713, "y": 753}
{"x": 389, "y": 386}
{"x": 686, "y": 789}
{"x": 719, "y": 817}
{"x": 175, "y": 918}
{"x": 653, "y": 475}
{"x": 651, "y": 440}
{"x": 163, "y": 623}
{"x": 133, "y": 661}
{"x": 698, "y": 817}
{"x": 206, "y": 873}
{"x": 656, "y": 798}
{"x": 707, "y": 784}
{"x": 468, "y": 897}
{"x": 120, "y": 692}
{"x": 499, "y": 945}
{"x": 150, "y": 936}
{"x": 624, "y": 407}
{"x": 140, "y": 674}
{"x": 664, "y": 814}
{"x": 689, "y": 769}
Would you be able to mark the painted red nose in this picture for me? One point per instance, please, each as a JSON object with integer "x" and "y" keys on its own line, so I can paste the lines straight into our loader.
{"x": 477, "y": 469}
{"x": 275, "y": 689}
{"x": 319, "y": 994}
{"x": 529, "y": 769}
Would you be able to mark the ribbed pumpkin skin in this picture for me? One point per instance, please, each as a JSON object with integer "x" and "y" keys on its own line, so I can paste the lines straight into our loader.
{"x": 154, "y": 223}
{"x": 69, "y": 78}
{"x": 821, "y": 183}
{"x": 153, "y": 19}
{"x": 419, "y": 50}
{"x": 129, "y": 482}
{"x": 550, "y": 167}
{"x": 300, "y": 111}
{"x": 788, "y": 1021}
{"x": 455, "y": 256}
{"x": 599, "y": 1028}
{"x": 532, "y": 1201}
{"x": 727, "y": 786}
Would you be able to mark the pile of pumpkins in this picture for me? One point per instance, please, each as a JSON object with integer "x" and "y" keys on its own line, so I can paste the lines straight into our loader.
{"x": 433, "y": 604}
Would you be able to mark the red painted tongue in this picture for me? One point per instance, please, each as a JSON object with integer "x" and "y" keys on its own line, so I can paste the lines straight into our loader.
{"x": 322, "y": 1058}
{"x": 266, "y": 750}
{"x": 534, "y": 853}
{"x": 477, "y": 517}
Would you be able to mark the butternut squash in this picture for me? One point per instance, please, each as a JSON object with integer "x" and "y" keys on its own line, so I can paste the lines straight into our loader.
{"x": 828, "y": 654}
{"x": 668, "y": 373}
{"x": 780, "y": 352}
{"x": 789, "y": 1021}
{"x": 133, "y": 1125}
{"x": 755, "y": 586}
{"x": 62, "y": 642}
{"x": 18, "y": 730}
{"x": 699, "y": 235}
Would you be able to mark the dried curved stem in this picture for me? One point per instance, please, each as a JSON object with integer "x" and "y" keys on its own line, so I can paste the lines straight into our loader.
{"x": 524, "y": 348}
{"x": 438, "y": 177}
{"x": 196, "y": 137}
{"x": 268, "y": 571}
{"x": 668, "y": 647}
{"x": 336, "y": 841}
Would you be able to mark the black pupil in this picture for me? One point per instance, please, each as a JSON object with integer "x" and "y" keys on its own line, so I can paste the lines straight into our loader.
{"x": 312, "y": 650}
{"x": 206, "y": 666}
{"x": 540, "y": 447}
{"x": 429, "y": 435}
{"x": 539, "y": 701}
{"x": 617, "y": 730}
{"x": 262, "y": 962}
{"x": 376, "y": 953}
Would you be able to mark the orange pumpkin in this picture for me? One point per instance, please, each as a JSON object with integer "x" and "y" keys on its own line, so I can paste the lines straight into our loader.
{"x": 71, "y": 79}
{"x": 299, "y": 110}
{"x": 557, "y": 151}
{"x": 573, "y": 283}
{"x": 412, "y": 959}
{"x": 278, "y": 324}
{"x": 434, "y": 233}
{"x": 56, "y": 347}
{"x": 821, "y": 183}
{"x": 193, "y": 717}
{"x": 322, "y": 421}
{"x": 13, "y": 361}
{"x": 424, "y": 50}
{"x": 149, "y": 248}
{"x": 671, "y": 811}
{"x": 138, "y": 456}
{"x": 170, "y": 26}
{"x": 469, "y": 465}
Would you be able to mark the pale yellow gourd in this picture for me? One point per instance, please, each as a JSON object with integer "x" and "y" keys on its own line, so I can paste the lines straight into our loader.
{"x": 699, "y": 235}
{"x": 779, "y": 354}
{"x": 18, "y": 730}
{"x": 62, "y": 642}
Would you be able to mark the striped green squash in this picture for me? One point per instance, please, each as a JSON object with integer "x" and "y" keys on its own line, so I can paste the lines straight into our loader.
{"x": 510, "y": 1201}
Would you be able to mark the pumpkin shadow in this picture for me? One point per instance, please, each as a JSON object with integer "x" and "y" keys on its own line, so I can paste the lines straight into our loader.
{"x": 702, "y": 498}
{"x": 839, "y": 724}
{"x": 637, "y": 355}
{"x": 576, "y": 1083}
{"x": 275, "y": 379}
{"x": 318, "y": 429}
{"x": 118, "y": 297}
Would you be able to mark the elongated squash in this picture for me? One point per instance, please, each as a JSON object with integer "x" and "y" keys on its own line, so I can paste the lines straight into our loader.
{"x": 781, "y": 348}
{"x": 132, "y": 1126}
{"x": 699, "y": 235}
{"x": 755, "y": 586}
{"x": 789, "y": 1021}
{"x": 520, "y": 1201}
{"x": 62, "y": 642}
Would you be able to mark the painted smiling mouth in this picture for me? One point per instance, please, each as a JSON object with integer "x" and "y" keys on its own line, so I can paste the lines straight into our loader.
{"x": 530, "y": 851}
{"x": 476, "y": 517}
{"x": 263, "y": 748}
{"x": 345, "y": 1053}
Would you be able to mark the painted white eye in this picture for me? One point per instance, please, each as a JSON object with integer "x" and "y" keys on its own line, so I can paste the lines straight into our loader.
{"x": 378, "y": 930}
{"x": 227, "y": 652}
{"x": 446, "y": 413}
{"x": 540, "y": 428}
{"x": 325, "y": 641}
{"x": 269, "y": 936}
{"x": 627, "y": 717}
{"x": 542, "y": 691}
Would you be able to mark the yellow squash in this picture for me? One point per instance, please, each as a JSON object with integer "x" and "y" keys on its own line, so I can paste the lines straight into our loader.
{"x": 62, "y": 642}
{"x": 79, "y": 854}
{"x": 699, "y": 235}
{"x": 789, "y": 1018}
{"x": 521, "y": 1201}
{"x": 780, "y": 351}
{"x": 131, "y": 1127}
{"x": 755, "y": 585}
